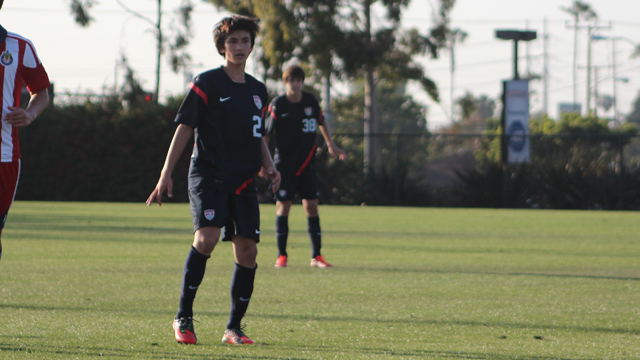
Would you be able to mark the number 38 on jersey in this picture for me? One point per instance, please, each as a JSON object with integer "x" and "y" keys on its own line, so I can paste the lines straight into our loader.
{"x": 309, "y": 125}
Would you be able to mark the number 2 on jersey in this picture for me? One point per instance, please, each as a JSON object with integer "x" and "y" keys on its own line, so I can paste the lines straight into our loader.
{"x": 256, "y": 127}
{"x": 308, "y": 125}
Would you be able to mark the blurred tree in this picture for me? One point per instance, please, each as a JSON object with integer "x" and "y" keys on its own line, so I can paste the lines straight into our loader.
{"x": 180, "y": 29}
{"x": 339, "y": 37}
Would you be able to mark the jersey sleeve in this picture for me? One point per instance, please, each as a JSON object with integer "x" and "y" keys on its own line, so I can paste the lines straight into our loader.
{"x": 272, "y": 118}
{"x": 33, "y": 73}
{"x": 194, "y": 104}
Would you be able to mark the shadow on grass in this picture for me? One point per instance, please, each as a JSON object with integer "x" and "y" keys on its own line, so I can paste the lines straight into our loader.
{"x": 480, "y": 249}
{"x": 428, "y": 354}
{"x": 186, "y": 352}
{"x": 427, "y": 271}
{"x": 195, "y": 352}
{"x": 347, "y": 319}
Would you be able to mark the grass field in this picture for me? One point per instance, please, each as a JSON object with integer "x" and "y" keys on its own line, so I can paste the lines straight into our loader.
{"x": 92, "y": 280}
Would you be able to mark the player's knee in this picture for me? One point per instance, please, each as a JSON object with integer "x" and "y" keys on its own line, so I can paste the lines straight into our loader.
{"x": 282, "y": 208}
{"x": 311, "y": 207}
{"x": 205, "y": 240}
{"x": 246, "y": 250}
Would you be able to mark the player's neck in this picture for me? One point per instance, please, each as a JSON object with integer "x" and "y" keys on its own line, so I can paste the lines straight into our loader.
{"x": 294, "y": 97}
{"x": 234, "y": 71}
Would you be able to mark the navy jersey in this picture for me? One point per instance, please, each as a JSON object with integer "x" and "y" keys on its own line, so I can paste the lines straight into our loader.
{"x": 295, "y": 126}
{"x": 228, "y": 122}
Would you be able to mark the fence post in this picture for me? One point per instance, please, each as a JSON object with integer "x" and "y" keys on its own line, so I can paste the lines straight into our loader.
{"x": 396, "y": 194}
{"x": 620, "y": 172}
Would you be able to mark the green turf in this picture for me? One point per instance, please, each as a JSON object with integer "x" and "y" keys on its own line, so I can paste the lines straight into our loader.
{"x": 90, "y": 280}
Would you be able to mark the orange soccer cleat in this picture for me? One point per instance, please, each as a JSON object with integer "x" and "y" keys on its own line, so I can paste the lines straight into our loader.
{"x": 281, "y": 262}
{"x": 236, "y": 337}
{"x": 320, "y": 262}
{"x": 183, "y": 329}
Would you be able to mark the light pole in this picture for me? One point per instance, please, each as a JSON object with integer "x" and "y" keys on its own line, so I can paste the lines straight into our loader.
{"x": 613, "y": 67}
{"x": 515, "y": 96}
{"x": 595, "y": 90}
{"x": 516, "y": 35}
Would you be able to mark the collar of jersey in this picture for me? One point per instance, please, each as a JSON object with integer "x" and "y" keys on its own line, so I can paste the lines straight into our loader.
{"x": 3, "y": 34}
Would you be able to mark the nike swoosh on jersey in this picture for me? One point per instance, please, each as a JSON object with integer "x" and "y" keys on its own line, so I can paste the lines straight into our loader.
{"x": 225, "y": 99}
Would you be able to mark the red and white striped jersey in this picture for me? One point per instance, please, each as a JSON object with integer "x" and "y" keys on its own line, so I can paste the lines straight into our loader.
{"x": 19, "y": 63}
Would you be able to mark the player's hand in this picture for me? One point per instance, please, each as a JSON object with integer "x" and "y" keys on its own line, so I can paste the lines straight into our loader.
{"x": 336, "y": 152}
{"x": 18, "y": 117}
{"x": 272, "y": 174}
{"x": 165, "y": 183}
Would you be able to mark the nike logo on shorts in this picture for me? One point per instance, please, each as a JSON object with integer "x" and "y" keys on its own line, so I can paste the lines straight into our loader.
{"x": 243, "y": 299}
{"x": 225, "y": 99}
{"x": 192, "y": 287}
{"x": 257, "y": 231}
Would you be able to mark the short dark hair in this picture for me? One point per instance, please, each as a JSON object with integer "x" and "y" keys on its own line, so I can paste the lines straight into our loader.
{"x": 1, "y": 2}
{"x": 226, "y": 26}
{"x": 293, "y": 72}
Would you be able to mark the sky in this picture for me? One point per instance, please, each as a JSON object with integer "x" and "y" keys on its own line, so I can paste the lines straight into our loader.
{"x": 85, "y": 60}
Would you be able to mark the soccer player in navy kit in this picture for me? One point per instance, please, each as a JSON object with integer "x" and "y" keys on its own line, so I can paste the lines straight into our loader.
{"x": 294, "y": 118}
{"x": 225, "y": 109}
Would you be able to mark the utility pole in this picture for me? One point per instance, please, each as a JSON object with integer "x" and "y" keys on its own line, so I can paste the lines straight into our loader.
{"x": 615, "y": 83}
{"x": 590, "y": 28}
{"x": 593, "y": 92}
{"x": 545, "y": 71}
{"x": 456, "y": 35}
{"x": 527, "y": 48}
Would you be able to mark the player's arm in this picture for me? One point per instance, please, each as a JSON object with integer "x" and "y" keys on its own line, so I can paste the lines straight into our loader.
{"x": 20, "y": 117}
{"x": 335, "y": 151}
{"x": 268, "y": 169}
{"x": 180, "y": 139}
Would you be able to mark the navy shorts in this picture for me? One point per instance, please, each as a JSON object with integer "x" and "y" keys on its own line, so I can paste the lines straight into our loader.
{"x": 237, "y": 214}
{"x": 304, "y": 185}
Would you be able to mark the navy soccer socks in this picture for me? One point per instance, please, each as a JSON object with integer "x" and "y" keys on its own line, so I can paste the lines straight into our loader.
{"x": 282, "y": 233}
{"x": 315, "y": 235}
{"x": 193, "y": 273}
{"x": 241, "y": 290}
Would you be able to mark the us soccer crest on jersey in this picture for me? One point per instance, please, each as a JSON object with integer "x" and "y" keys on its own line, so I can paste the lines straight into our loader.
{"x": 257, "y": 101}
{"x": 308, "y": 110}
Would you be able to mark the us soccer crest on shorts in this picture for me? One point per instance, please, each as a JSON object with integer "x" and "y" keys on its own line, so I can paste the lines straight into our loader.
{"x": 209, "y": 214}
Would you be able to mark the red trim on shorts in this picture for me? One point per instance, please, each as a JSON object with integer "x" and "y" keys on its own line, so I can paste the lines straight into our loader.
{"x": 306, "y": 162}
{"x": 199, "y": 92}
{"x": 244, "y": 185}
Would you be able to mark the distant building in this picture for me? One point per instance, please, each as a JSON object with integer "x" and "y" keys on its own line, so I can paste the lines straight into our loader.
{"x": 569, "y": 108}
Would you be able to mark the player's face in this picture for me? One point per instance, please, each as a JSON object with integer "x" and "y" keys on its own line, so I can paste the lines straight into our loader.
{"x": 237, "y": 47}
{"x": 294, "y": 86}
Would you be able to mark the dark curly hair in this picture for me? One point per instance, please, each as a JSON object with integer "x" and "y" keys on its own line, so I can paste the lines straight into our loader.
{"x": 226, "y": 26}
{"x": 293, "y": 72}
